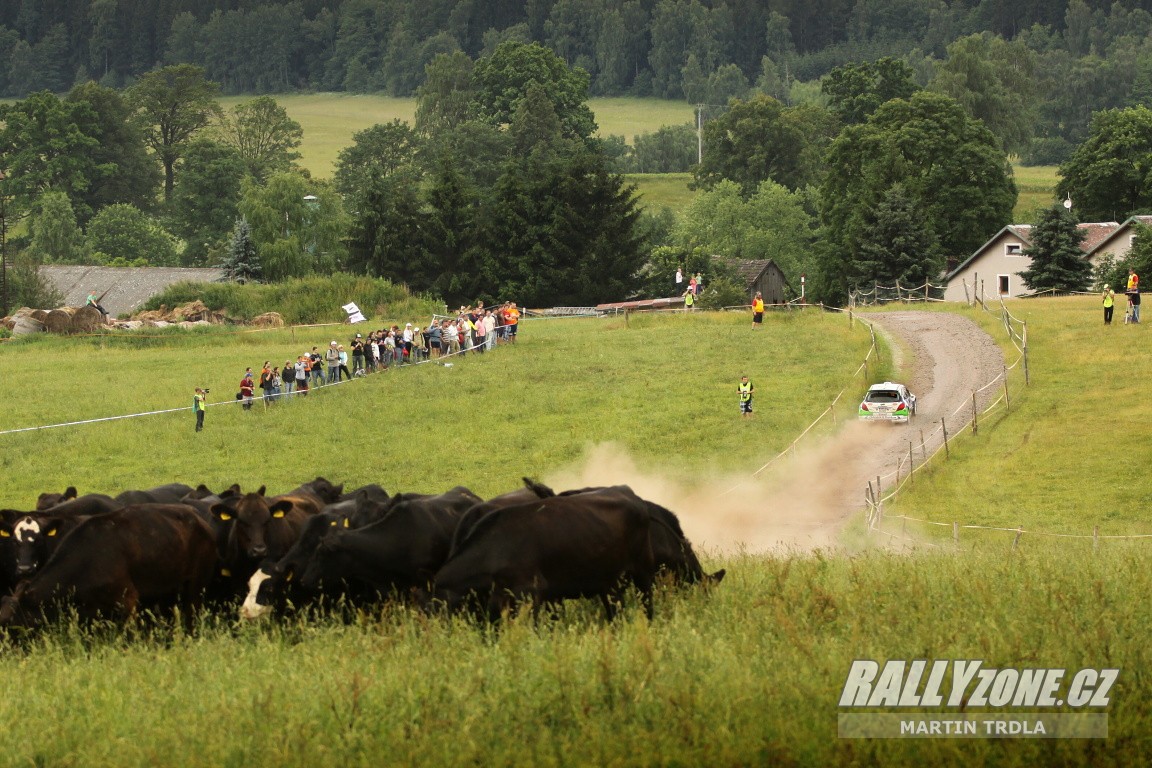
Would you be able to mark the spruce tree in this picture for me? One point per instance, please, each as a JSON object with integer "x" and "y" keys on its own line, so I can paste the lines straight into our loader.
{"x": 241, "y": 263}
{"x": 1058, "y": 262}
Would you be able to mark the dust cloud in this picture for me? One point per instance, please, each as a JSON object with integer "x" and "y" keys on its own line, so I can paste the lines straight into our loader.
{"x": 799, "y": 503}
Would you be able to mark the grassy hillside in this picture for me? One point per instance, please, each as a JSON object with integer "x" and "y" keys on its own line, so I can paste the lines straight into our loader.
{"x": 330, "y": 120}
{"x": 748, "y": 674}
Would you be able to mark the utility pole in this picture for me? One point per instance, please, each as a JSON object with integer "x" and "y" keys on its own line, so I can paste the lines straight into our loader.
{"x": 4, "y": 300}
{"x": 699, "y": 133}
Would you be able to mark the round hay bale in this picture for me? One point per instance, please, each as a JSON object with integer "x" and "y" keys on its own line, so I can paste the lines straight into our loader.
{"x": 268, "y": 320}
{"x": 86, "y": 320}
{"x": 39, "y": 314}
{"x": 26, "y": 324}
{"x": 58, "y": 321}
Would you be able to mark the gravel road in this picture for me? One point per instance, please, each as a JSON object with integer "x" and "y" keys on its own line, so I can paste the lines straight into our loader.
{"x": 803, "y": 502}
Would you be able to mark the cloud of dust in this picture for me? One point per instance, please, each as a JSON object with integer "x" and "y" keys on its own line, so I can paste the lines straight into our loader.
{"x": 800, "y": 503}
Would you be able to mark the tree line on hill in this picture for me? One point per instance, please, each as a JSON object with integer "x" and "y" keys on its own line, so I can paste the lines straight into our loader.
{"x": 500, "y": 188}
{"x": 1035, "y": 72}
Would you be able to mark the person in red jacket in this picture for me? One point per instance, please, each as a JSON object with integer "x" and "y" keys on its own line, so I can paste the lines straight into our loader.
{"x": 247, "y": 387}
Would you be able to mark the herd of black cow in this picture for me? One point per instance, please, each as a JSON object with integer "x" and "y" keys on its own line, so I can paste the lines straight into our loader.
{"x": 181, "y": 547}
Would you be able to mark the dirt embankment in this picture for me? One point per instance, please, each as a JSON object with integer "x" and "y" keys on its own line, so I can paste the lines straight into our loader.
{"x": 804, "y": 501}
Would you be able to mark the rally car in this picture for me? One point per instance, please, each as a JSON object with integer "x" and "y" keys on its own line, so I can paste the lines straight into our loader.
{"x": 888, "y": 401}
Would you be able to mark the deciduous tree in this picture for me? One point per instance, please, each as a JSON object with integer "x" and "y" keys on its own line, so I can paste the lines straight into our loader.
{"x": 173, "y": 104}
{"x": 1109, "y": 176}
{"x": 263, "y": 135}
{"x": 950, "y": 165}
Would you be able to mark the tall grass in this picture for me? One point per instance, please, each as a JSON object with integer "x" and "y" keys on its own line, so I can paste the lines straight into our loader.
{"x": 749, "y": 674}
{"x": 301, "y": 300}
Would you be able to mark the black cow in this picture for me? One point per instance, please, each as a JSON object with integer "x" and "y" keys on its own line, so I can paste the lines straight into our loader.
{"x": 400, "y": 551}
{"x": 429, "y": 521}
{"x": 88, "y": 504}
{"x": 258, "y": 527}
{"x": 23, "y": 544}
{"x": 172, "y": 493}
{"x": 670, "y": 547}
{"x": 48, "y": 500}
{"x": 276, "y": 583}
{"x": 552, "y": 549}
{"x": 114, "y": 564}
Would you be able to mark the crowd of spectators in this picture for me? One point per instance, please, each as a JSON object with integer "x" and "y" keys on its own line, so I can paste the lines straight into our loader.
{"x": 471, "y": 329}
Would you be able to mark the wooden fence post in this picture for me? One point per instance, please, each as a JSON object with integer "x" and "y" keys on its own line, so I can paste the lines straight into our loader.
{"x": 923, "y": 448}
{"x": 1027, "y": 379}
{"x": 955, "y": 532}
{"x": 975, "y": 426}
{"x": 1007, "y": 401}
{"x": 1016, "y": 540}
{"x": 911, "y": 465}
{"x": 944, "y": 429}
{"x": 967, "y": 298}
{"x": 1095, "y": 537}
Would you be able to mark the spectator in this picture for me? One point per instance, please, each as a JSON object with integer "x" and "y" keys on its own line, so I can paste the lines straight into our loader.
{"x": 288, "y": 374}
{"x": 301, "y": 370}
{"x": 490, "y": 328}
{"x": 277, "y": 384}
{"x": 332, "y": 357}
{"x": 1109, "y": 304}
{"x": 512, "y": 318}
{"x": 317, "y": 367}
{"x": 247, "y": 389}
{"x": 452, "y": 337}
{"x": 757, "y": 311}
{"x": 343, "y": 358}
{"x": 358, "y": 355}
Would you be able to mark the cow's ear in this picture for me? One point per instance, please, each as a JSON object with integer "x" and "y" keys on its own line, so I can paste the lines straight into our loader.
{"x": 261, "y": 490}
{"x": 222, "y": 512}
{"x": 69, "y": 493}
{"x": 279, "y": 508}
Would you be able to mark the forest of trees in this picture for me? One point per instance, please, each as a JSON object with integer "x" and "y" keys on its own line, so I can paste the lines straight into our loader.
{"x": 1051, "y": 64}
{"x": 847, "y": 167}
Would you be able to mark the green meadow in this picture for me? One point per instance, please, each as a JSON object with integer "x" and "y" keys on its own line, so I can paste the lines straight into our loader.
{"x": 749, "y": 673}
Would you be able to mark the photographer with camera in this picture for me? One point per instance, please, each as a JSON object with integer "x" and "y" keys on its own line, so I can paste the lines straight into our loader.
{"x": 198, "y": 399}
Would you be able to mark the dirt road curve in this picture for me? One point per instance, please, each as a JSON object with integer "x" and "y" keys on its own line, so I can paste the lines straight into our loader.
{"x": 803, "y": 502}
{"x": 943, "y": 358}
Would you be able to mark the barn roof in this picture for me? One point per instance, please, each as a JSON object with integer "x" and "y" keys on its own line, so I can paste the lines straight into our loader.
{"x": 127, "y": 287}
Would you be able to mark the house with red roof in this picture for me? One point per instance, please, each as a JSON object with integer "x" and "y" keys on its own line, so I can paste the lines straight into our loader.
{"x": 994, "y": 269}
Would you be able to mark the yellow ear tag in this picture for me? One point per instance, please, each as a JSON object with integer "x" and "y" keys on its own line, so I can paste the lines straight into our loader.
{"x": 225, "y": 572}
{"x": 225, "y": 516}
{"x": 278, "y": 513}
{"x": 289, "y": 576}
{"x": 345, "y": 522}
{"x": 4, "y": 534}
{"x": 52, "y": 532}
{"x": 333, "y": 523}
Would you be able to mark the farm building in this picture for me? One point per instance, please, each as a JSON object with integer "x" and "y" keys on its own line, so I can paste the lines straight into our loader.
{"x": 762, "y": 275}
{"x": 125, "y": 289}
{"x": 997, "y": 264}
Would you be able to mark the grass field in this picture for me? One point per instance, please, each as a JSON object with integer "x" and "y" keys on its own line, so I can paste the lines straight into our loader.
{"x": 330, "y": 120}
{"x": 749, "y": 674}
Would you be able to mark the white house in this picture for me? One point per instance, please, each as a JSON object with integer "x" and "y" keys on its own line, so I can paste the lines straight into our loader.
{"x": 994, "y": 269}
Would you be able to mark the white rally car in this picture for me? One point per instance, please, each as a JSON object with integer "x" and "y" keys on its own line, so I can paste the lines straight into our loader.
{"x": 888, "y": 401}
